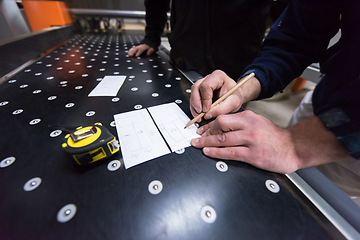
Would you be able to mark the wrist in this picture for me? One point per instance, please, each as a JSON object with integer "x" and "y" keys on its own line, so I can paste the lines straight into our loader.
{"x": 250, "y": 90}
{"x": 294, "y": 155}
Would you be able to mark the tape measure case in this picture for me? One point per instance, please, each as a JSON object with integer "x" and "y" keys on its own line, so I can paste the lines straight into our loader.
{"x": 90, "y": 144}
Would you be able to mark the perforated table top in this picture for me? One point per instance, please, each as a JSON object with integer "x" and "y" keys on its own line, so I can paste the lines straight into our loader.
{"x": 182, "y": 195}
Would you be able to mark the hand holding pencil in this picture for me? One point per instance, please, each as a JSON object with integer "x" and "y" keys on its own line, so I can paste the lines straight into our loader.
{"x": 222, "y": 98}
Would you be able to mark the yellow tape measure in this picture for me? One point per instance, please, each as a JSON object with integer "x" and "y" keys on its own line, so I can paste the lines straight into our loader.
{"x": 90, "y": 144}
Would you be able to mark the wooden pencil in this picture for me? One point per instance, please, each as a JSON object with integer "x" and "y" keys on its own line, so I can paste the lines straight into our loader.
{"x": 222, "y": 98}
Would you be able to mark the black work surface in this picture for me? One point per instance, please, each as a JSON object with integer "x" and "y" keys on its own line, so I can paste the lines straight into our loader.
{"x": 117, "y": 204}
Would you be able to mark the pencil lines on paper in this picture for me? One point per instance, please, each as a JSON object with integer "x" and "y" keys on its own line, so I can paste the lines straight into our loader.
{"x": 171, "y": 121}
{"x": 140, "y": 139}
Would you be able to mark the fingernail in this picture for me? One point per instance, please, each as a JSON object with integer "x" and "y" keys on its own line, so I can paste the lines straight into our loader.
{"x": 200, "y": 130}
{"x": 198, "y": 110}
{"x": 209, "y": 115}
{"x": 194, "y": 141}
{"x": 206, "y": 150}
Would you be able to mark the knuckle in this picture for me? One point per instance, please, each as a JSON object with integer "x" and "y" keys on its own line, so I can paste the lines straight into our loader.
{"x": 247, "y": 112}
{"x": 196, "y": 85}
{"x": 218, "y": 72}
{"x": 221, "y": 119}
{"x": 203, "y": 87}
{"x": 230, "y": 153}
{"x": 215, "y": 112}
{"x": 219, "y": 111}
{"x": 236, "y": 153}
{"x": 221, "y": 138}
{"x": 250, "y": 116}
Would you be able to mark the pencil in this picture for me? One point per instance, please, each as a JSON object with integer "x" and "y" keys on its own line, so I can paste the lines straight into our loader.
{"x": 222, "y": 98}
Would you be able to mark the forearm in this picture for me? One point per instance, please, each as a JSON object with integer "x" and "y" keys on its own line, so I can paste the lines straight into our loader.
{"x": 295, "y": 41}
{"x": 315, "y": 145}
{"x": 156, "y": 17}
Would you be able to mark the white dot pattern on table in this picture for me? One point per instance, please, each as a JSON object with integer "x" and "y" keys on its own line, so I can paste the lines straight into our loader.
{"x": 56, "y": 88}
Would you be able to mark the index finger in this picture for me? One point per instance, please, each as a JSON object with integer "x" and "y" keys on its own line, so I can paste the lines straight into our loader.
{"x": 218, "y": 80}
{"x": 210, "y": 83}
{"x": 225, "y": 123}
{"x": 132, "y": 51}
{"x": 195, "y": 98}
{"x": 226, "y": 139}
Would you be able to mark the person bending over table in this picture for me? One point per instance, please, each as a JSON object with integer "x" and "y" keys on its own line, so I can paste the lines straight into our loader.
{"x": 298, "y": 38}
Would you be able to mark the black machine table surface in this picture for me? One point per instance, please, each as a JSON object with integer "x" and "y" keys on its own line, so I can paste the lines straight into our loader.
{"x": 201, "y": 198}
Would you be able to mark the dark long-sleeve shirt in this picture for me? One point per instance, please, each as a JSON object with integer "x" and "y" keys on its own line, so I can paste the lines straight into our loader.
{"x": 209, "y": 34}
{"x": 301, "y": 37}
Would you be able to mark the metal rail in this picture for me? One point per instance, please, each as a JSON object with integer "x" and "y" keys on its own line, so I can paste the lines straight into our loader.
{"x": 305, "y": 180}
{"x": 108, "y": 13}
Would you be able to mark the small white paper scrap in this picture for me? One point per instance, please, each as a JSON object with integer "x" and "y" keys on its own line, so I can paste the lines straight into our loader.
{"x": 171, "y": 121}
{"x": 109, "y": 86}
{"x": 140, "y": 140}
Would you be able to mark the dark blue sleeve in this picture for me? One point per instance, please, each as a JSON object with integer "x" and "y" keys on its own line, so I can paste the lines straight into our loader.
{"x": 336, "y": 98}
{"x": 298, "y": 38}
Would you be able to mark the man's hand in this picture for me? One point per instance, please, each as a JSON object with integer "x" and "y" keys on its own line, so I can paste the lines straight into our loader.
{"x": 253, "y": 139}
{"x": 215, "y": 85}
{"x": 138, "y": 50}
{"x": 250, "y": 138}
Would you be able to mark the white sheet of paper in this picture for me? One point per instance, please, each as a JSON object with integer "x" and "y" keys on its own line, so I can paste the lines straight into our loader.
{"x": 109, "y": 86}
{"x": 140, "y": 140}
{"x": 171, "y": 121}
